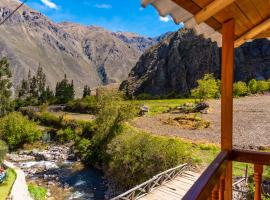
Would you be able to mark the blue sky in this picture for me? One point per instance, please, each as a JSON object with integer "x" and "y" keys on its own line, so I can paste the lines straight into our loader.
{"x": 114, "y": 15}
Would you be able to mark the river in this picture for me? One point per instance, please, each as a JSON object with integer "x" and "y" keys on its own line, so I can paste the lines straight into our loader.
{"x": 61, "y": 173}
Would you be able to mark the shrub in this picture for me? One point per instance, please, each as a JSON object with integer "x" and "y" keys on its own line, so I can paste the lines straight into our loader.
{"x": 16, "y": 130}
{"x": 66, "y": 135}
{"x": 262, "y": 86}
{"x": 113, "y": 112}
{"x": 252, "y": 85}
{"x": 136, "y": 157}
{"x": 37, "y": 192}
{"x": 240, "y": 89}
{"x": 3, "y": 150}
{"x": 86, "y": 105}
{"x": 207, "y": 88}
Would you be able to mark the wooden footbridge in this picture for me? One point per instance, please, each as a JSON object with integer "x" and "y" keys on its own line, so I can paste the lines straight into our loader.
{"x": 172, "y": 184}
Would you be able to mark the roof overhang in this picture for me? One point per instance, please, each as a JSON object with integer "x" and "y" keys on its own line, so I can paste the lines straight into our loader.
{"x": 252, "y": 17}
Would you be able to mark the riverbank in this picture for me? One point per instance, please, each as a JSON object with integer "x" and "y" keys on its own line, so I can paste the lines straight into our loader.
{"x": 59, "y": 171}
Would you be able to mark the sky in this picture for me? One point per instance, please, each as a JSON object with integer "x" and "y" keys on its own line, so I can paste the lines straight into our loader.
{"x": 114, "y": 15}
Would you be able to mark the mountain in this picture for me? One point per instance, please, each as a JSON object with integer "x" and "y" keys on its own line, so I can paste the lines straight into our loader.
{"x": 136, "y": 41}
{"x": 173, "y": 66}
{"x": 87, "y": 54}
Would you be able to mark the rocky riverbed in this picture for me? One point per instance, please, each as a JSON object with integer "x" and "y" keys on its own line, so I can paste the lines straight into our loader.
{"x": 61, "y": 172}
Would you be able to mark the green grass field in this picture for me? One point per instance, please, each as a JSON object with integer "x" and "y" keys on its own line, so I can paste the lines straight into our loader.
{"x": 7, "y": 185}
{"x": 37, "y": 192}
{"x": 163, "y": 105}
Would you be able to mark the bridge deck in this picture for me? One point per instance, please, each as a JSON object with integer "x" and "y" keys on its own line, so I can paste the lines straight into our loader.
{"x": 174, "y": 189}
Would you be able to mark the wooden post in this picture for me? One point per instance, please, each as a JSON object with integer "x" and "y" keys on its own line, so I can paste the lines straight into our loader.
{"x": 215, "y": 193}
{"x": 221, "y": 187}
{"x": 227, "y": 97}
{"x": 258, "y": 170}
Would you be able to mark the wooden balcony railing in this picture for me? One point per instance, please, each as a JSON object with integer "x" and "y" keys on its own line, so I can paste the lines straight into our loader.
{"x": 211, "y": 184}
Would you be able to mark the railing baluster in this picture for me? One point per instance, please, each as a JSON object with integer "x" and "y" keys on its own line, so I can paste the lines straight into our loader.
{"x": 221, "y": 187}
{"x": 215, "y": 192}
{"x": 258, "y": 170}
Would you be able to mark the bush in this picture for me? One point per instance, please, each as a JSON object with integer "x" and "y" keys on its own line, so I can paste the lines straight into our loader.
{"x": 262, "y": 86}
{"x": 65, "y": 135}
{"x": 86, "y": 105}
{"x": 113, "y": 111}
{"x": 3, "y": 150}
{"x": 252, "y": 85}
{"x": 16, "y": 130}
{"x": 207, "y": 88}
{"x": 240, "y": 89}
{"x": 136, "y": 157}
{"x": 37, "y": 192}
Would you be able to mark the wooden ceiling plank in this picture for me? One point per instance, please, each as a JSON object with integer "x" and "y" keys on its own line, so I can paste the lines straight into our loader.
{"x": 247, "y": 7}
{"x": 212, "y": 9}
{"x": 251, "y": 34}
{"x": 263, "y": 7}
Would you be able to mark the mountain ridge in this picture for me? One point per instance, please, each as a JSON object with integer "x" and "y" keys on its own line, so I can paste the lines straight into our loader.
{"x": 89, "y": 55}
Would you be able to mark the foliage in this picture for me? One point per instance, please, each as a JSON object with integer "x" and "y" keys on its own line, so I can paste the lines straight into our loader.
{"x": 16, "y": 130}
{"x": 86, "y": 91}
{"x": 144, "y": 96}
{"x": 37, "y": 192}
{"x": 85, "y": 105}
{"x": 3, "y": 150}
{"x": 137, "y": 156}
{"x": 64, "y": 91}
{"x": 262, "y": 86}
{"x": 33, "y": 90}
{"x": 7, "y": 185}
{"x": 252, "y": 85}
{"x": 65, "y": 135}
{"x": 240, "y": 89}
{"x": 207, "y": 88}
{"x": 113, "y": 111}
{"x": 5, "y": 87}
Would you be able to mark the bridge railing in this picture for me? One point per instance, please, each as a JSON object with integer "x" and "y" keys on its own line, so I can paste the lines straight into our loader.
{"x": 148, "y": 186}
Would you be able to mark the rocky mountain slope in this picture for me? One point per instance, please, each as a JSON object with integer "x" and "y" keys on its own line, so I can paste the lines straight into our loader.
{"x": 175, "y": 64}
{"x": 88, "y": 55}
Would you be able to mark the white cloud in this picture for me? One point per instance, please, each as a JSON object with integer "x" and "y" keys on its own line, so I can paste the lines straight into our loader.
{"x": 49, "y": 4}
{"x": 103, "y": 6}
{"x": 165, "y": 19}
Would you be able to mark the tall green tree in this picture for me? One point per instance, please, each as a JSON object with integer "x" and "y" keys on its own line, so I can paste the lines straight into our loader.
{"x": 86, "y": 91}
{"x": 5, "y": 87}
{"x": 64, "y": 91}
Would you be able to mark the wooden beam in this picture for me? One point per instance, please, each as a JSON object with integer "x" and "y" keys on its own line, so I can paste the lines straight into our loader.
{"x": 227, "y": 97}
{"x": 261, "y": 158}
{"x": 251, "y": 34}
{"x": 212, "y": 9}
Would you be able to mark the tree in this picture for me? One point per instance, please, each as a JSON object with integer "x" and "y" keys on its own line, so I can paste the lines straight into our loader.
{"x": 64, "y": 91}
{"x": 207, "y": 88}
{"x": 47, "y": 96}
{"x": 41, "y": 81}
{"x": 23, "y": 89}
{"x": 86, "y": 91}
{"x": 5, "y": 87}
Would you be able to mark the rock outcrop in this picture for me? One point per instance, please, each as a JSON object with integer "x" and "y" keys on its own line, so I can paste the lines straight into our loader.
{"x": 173, "y": 66}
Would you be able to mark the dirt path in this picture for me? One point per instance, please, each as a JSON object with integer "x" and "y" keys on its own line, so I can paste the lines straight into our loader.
{"x": 251, "y": 123}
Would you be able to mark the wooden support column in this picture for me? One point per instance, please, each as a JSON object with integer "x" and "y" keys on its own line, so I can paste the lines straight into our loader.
{"x": 221, "y": 187}
{"x": 227, "y": 76}
{"x": 258, "y": 170}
